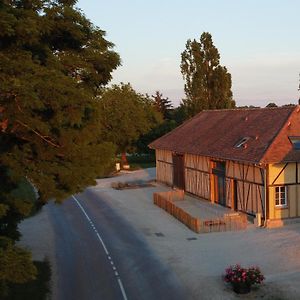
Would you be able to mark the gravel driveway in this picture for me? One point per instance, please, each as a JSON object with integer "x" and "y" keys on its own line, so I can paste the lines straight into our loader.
{"x": 197, "y": 259}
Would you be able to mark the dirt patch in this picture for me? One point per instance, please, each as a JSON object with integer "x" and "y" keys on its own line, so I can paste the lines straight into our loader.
{"x": 131, "y": 185}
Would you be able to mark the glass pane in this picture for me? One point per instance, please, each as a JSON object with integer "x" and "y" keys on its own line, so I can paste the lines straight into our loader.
{"x": 296, "y": 143}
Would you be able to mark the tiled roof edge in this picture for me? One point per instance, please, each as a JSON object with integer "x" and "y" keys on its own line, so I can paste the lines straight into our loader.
{"x": 168, "y": 133}
{"x": 251, "y": 108}
{"x": 277, "y": 134}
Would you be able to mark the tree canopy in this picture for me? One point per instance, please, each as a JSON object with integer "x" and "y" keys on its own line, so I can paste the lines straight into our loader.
{"x": 207, "y": 83}
{"x": 126, "y": 115}
{"x": 53, "y": 63}
{"x": 162, "y": 105}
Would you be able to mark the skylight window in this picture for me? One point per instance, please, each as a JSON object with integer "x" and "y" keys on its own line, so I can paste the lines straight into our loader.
{"x": 295, "y": 140}
{"x": 243, "y": 141}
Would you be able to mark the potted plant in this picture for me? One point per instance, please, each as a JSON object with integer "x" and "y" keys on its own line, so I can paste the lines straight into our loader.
{"x": 242, "y": 279}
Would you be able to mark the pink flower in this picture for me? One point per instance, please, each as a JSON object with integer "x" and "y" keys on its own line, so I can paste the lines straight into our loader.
{"x": 237, "y": 274}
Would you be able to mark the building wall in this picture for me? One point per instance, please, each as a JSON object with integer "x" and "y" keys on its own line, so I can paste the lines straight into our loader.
{"x": 284, "y": 175}
{"x": 250, "y": 187}
{"x": 164, "y": 166}
{"x": 199, "y": 180}
{"x": 197, "y": 175}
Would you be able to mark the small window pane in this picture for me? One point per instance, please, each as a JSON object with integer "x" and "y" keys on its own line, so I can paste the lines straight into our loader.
{"x": 280, "y": 196}
{"x": 295, "y": 140}
{"x": 241, "y": 142}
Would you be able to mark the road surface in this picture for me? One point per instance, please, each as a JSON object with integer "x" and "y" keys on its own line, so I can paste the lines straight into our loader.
{"x": 99, "y": 255}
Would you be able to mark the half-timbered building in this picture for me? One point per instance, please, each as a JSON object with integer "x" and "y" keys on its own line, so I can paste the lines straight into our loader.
{"x": 245, "y": 159}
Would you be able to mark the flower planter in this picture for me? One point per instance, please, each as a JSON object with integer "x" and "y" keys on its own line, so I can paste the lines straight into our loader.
{"x": 241, "y": 288}
{"x": 241, "y": 279}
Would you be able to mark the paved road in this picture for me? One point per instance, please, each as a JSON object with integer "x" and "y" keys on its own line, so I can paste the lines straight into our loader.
{"x": 99, "y": 255}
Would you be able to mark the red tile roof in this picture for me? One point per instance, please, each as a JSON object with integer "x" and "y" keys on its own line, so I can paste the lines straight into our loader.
{"x": 215, "y": 133}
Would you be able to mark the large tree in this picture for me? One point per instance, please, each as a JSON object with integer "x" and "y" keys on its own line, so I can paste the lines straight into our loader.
{"x": 165, "y": 107}
{"x": 207, "y": 83}
{"x": 53, "y": 62}
{"x": 126, "y": 115}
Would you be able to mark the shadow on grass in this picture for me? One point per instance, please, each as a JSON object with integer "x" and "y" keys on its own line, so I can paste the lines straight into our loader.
{"x": 38, "y": 289}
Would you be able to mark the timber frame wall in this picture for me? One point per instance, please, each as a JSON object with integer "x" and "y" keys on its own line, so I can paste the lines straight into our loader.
{"x": 287, "y": 175}
{"x": 164, "y": 166}
{"x": 250, "y": 190}
{"x": 244, "y": 183}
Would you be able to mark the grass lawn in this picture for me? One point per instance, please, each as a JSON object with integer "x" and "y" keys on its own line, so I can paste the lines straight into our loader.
{"x": 141, "y": 161}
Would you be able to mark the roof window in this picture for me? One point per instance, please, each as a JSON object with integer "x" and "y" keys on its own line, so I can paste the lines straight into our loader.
{"x": 295, "y": 140}
{"x": 242, "y": 142}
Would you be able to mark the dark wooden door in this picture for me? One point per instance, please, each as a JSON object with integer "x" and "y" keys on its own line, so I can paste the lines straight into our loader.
{"x": 178, "y": 171}
{"x": 221, "y": 190}
{"x": 235, "y": 195}
{"x": 219, "y": 171}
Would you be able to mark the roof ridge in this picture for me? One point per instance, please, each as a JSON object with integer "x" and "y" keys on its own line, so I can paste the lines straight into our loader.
{"x": 250, "y": 108}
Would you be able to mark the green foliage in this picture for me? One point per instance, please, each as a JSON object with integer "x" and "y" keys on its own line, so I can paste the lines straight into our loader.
{"x": 126, "y": 115}
{"x": 38, "y": 288}
{"x": 272, "y": 104}
{"x": 158, "y": 131}
{"x": 16, "y": 264}
{"x": 162, "y": 105}
{"x": 208, "y": 84}
{"x": 53, "y": 62}
{"x": 3, "y": 209}
{"x": 141, "y": 161}
{"x": 17, "y": 201}
{"x": 179, "y": 114}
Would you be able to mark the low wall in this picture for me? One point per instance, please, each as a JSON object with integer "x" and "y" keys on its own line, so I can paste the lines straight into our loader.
{"x": 227, "y": 222}
{"x": 165, "y": 200}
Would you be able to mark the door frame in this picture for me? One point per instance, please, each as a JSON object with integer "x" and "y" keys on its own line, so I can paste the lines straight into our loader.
{"x": 218, "y": 171}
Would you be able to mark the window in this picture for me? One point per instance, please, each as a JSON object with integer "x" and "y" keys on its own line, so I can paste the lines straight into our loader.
{"x": 280, "y": 196}
{"x": 295, "y": 140}
{"x": 242, "y": 142}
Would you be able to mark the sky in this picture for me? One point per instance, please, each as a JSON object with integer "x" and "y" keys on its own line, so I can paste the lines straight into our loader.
{"x": 258, "y": 41}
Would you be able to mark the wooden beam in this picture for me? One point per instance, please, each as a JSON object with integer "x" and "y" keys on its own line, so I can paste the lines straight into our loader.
{"x": 197, "y": 170}
{"x": 165, "y": 162}
{"x": 279, "y": 173}
{"x": 267, "y": 193}
{"x": 281, "y": 184}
